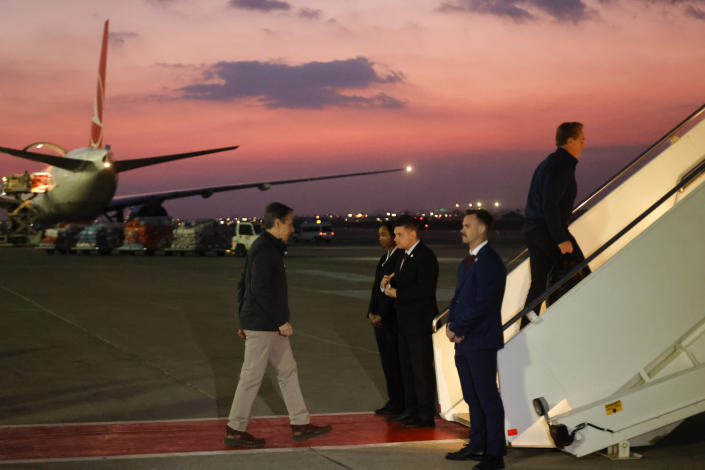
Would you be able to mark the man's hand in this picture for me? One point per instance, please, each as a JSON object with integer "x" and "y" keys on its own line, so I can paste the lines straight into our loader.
{"x": 566, "y": 247}
{"x": 286, "y": 329}
{"x": 385, "y": 281}
{"x": 458, "y": 339}
{"x": 449, "y": 333}
{"x": 375, "y": 320}
{"x": 241, "y": 333}
{"x": 390, "y": 291}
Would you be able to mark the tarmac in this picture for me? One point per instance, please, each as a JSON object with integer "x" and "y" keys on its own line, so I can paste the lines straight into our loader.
{"x": 142, "y": 339}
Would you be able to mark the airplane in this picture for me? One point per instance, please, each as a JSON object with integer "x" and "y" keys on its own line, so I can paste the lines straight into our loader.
{"x": 80, "y": 185}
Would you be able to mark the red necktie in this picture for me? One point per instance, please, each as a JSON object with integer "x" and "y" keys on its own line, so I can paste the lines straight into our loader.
{"x": 469, "y": 261}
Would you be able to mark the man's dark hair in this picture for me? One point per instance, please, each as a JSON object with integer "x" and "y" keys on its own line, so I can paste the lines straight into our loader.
{"x": 389, "y": 225}
{"x": 568, "y": 130}
{"x": 483, "y": 216}
{"x": 408, "y": 222}
{"x": 274, "y": 211}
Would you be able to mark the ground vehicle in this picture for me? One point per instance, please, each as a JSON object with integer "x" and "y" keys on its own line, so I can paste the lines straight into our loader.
{"x": 314, "y": 231}
{"x": 199, "y": 236}
{"x": 101, "y": 238}
{"x": 147, "y": 235}
{"x": 245, "y": 235}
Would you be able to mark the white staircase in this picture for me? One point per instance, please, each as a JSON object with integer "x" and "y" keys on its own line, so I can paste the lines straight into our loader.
{"x": 624, "y": 350}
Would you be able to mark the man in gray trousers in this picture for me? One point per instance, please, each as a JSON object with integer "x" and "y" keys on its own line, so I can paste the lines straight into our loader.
{"x": 264, "y": 325}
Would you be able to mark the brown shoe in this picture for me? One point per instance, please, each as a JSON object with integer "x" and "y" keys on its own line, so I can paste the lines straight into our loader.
{"x": 307, "y": 431}
{"x": 235, "y": 438}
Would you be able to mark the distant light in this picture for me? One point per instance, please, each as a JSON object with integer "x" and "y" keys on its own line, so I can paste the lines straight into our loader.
{"x": 496, "y": 203}
{"x": 318, "y": 221}
{"x": 318, "y": 218}
{"x": 457, "y": 205}
{"x": 388, "y": 214}
{"x": 479, "y": 204}
{"x": 349, "y": 215}
{"x": 409, "y": 169}
{"x": 469, "y": 204}
{"x": 394, "y": 214}
{"x": 107, "y": 164}
{"x": 431, "y": 214}
{"x": 244, "y": 219}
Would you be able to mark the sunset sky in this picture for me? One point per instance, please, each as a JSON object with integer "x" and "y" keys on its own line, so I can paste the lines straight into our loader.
{"x": 467, "y": 91}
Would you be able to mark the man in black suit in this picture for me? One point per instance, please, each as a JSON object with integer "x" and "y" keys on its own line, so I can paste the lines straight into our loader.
{"x": 548, "y": 207}
{"x": 475, "y": 326}
{"x": 383, "y": 317}
{"x": 413, "y": 285}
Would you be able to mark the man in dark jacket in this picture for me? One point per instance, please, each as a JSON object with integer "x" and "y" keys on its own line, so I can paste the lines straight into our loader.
{"x": 264, "y": 325}
{"x": 413, "y": 285}
{"x": 475, "y": 326}
{"x": 548, "y": 208}
{"x": 383, "y": 317}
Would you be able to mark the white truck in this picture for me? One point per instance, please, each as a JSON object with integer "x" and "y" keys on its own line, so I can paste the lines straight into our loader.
{"x": 245, "y": 235}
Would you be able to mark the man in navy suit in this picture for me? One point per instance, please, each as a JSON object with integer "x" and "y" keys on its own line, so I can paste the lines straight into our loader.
{"x": 413, "y": 286}
{"x": 475, "y": 326}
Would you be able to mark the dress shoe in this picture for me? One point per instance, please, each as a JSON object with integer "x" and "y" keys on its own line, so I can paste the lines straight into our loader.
{"x": 466, "y": 453}
{"x": 399, "y": 417}
{"x": 417, "y": 423}
{"x": 235, "y": 438}
{"x": 384, "y": 411}
{"x": 490, "y": 463}
{"x": 306, "y": 431}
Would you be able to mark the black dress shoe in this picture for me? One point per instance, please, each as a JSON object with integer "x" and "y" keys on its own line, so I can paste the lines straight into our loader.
{"x": 399, "y": 417}
{"x": 426, "y": 423}
{"x": 490, "y": 463}
{"x": 384, "y": 411}
{"x": 466, "y": 453}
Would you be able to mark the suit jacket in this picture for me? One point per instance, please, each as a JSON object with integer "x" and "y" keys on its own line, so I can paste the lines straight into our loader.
{"x": 476, "y": 308}
{"x": 415, "y": 282}
{"x": 380, "y": 304}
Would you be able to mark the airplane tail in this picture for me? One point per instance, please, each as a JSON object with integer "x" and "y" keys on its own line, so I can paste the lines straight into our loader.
{"x": 99, "y": 99}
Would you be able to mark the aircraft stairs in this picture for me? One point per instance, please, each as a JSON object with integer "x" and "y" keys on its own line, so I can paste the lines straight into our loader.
{"x": 619, "y": 360}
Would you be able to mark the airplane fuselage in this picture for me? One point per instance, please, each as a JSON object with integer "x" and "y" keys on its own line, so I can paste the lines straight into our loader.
{"x": 78, "y": 195}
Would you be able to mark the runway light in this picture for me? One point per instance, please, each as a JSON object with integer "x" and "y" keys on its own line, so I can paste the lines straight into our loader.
{"x": 409, "y": 169}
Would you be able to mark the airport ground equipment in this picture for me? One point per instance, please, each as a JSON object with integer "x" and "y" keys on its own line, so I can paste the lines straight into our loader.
{"x": 199, "y": 237}
{"x": 23, "y": 188}
{"x": 147, "y": 235}
{"x": 61, "y": 239}
{"x": 314, "y": 231}
{"x": 619, "y": 360}
{"x": 245, "y": 235}
{"x": 100, "y": 238}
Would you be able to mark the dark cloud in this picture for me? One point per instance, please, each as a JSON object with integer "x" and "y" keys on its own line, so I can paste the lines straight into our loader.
{"x": 696, "y": 13}
{"x": 314, "y": 85}
{"x": 260, "y": 5}
{"x": 118, "y": 39}
{"x": 572, "y": 11}
{"x": 310, "y": 14}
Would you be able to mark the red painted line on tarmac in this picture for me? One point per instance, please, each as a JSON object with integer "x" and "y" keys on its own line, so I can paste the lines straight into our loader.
{"x": 73, "y": 441}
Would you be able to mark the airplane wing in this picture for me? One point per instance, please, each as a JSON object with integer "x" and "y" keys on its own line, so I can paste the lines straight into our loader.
{"x": 71, "y": 164}
{"x": 121, "y": 202}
